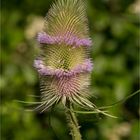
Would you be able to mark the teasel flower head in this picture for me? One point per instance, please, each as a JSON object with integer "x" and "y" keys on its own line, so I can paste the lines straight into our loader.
{"x": 64, "y": 66}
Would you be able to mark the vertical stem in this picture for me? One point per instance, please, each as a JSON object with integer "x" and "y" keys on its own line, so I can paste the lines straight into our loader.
{"x": 73, "y": 124}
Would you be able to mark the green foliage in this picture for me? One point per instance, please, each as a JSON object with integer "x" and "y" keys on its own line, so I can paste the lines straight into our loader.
{"x": 114, "y": 28}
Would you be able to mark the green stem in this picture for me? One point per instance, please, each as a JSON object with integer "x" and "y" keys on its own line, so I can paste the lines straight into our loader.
{"x": 73, "y": 124}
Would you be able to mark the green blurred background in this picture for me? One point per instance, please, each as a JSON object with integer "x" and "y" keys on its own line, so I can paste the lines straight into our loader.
{"x": 114, "y": 28}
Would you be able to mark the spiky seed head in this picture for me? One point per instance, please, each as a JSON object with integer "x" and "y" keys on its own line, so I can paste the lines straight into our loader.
{"x": 63, "y": 65}
{"x": 67, "y": 17}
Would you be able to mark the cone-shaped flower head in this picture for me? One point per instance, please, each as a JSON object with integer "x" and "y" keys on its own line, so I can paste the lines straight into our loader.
{"x": 63, "y": 65}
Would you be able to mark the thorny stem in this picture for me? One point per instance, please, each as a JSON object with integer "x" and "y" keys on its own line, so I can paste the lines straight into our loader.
{"x": 73, "y": 123}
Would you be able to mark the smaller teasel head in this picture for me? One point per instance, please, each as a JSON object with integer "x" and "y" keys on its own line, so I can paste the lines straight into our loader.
{"x": 63, "y": 65}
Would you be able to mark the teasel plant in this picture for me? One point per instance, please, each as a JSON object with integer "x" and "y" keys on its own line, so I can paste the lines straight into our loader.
{"x": 63, "y": 65}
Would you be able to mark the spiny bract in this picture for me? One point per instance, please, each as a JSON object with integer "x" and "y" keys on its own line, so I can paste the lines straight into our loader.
{"x": 63, "y": 65}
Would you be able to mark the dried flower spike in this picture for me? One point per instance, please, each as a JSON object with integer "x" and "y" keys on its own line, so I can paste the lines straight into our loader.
{"x": 63, "y": 65}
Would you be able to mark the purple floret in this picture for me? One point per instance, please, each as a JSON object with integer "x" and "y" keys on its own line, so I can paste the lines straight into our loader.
{"x": 71, "y": 40}
{"x": 85, "y": 67}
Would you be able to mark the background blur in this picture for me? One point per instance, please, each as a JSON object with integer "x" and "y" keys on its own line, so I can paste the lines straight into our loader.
{"x": 114, "y": 28}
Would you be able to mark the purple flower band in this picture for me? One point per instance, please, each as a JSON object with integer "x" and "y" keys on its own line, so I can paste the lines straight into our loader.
{"x": 44, "y": 38}
{"x": 87, "y": 66}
